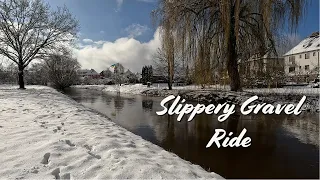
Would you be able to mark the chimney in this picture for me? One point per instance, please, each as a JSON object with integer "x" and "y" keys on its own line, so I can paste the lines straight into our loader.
{"x": 315, "y": 34}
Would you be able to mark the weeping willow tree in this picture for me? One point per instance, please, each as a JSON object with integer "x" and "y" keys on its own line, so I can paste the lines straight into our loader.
{"x": 215, "y": 35}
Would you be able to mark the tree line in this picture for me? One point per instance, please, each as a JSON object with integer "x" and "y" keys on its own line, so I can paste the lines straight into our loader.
{"x": 147, "y": 74}
{"x": 212, "y": 39}
{"x": 57, "y": 70}
{"x": 30, "y": 30}
{"x": 203, "y": 41}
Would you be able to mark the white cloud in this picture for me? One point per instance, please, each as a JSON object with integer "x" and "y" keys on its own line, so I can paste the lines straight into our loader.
{"x": 119, "y": 4}
{"x": 135, "y": 30}
{"x": 99, "y": 42}
{"x": 87, "y": 40}
{"x": 130, "y": 52}
{"x": 102, "y": 32}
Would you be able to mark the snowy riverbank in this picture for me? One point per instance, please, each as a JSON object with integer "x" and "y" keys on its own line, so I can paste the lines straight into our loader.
{"x": 217, "y": 94}
{"x": 46, "y": 135}
{"x": 131, "y": 88}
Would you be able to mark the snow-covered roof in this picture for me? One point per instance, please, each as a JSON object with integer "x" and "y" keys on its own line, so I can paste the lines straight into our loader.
{"x": 311, "y": 43}
{"x": 268, "y": 55}
{"x": 87, "y": 72}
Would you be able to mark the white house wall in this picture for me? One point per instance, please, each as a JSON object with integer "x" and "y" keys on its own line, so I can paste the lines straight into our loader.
{"x": 313, "y": 62}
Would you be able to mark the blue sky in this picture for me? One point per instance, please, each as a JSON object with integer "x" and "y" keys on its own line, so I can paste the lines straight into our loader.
{"x": 108, "y": 19}
{"x": 310, "y": 23}
{"x": 121, "y": 31}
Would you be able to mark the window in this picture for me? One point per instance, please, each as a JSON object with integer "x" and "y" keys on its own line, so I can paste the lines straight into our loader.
{"x": 292, "y": 59}
{"x": 299, "y": 67}
{"x": 314, "y": 53}
{"x": 307, "y": 56}
{"x": 306, "y": 67}
{"x": 291, "y": 69}
{"x": 300, "y": 56}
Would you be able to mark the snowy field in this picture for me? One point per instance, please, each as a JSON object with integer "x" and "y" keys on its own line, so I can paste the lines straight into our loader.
{"x": 46, "y": 135}
{"x": 138, "y": 88}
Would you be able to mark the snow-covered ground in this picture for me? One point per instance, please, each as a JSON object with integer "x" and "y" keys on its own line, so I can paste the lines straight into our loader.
{"x": 46, "y": 135}
{"x": 287, "y": 90}
{"x": 139, "y": 88}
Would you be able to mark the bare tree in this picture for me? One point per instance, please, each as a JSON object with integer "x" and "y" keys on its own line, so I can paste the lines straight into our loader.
{"x": 30, "y": 30}
{"x": 244, "y": 28}
{"x": 168, "y": 46}
{"x": 61, "y": 69}
{"x": 36, "y": 74}
{"x": 161, "y": 65}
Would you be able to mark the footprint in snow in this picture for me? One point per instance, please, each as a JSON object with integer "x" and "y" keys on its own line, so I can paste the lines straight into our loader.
{"x": 45, "y": 159}
{"x": 56, "y": 173}
{"x": 35, "y": 171}
{"x": 69, "y": 143}
{"x": 66, "y": 176}
{"x": 42, "y": 116}
{"x": 89, "y": 148}
{"x": 94, "y": 155}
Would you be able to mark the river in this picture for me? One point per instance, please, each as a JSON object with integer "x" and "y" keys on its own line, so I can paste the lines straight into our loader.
{"x": 282, "y": 146}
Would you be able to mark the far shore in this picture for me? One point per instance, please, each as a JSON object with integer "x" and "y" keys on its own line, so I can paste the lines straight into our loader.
{"x": 215, "y": 94}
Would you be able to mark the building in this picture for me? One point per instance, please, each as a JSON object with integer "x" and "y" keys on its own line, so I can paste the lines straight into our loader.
{"x": 118, "y": 69}
{"x": 88, "y": 73}
{"x": 130, "y": 77}
{"x": 267, "y": 70}
{"x": 106, "y": 73}
{"x": 302, "y": 61}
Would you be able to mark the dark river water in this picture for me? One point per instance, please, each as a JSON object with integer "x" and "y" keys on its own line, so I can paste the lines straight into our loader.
{"x": 282, "y": 146}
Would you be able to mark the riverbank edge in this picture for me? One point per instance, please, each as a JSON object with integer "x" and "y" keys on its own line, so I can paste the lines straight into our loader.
{"x": 219, "y": 96}
{"x": 31, "y": 98}
{"x": 212, "y": 96}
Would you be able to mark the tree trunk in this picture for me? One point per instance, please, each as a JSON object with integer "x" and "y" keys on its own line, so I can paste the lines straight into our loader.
{"x": 170, "y": 84}
{"x": 233, "y": 72}
{"x": 170, "y": 74}
{"x": 21, "y": 78}
{"x": 232, "y": 65}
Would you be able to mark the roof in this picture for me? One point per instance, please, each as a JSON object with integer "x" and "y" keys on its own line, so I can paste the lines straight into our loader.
{"x": 311, "y": 43}
{"x": 269, "y": 55}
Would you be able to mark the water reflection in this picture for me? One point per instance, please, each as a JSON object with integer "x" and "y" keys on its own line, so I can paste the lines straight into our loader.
{"x": 233, "y": 123}
{"x": 282, "y": 146}
{"x": 131, "y": 101}
{"x": 118, "y": 102}
{"x": 147, "y": 104}
{"x": 106, "y": 99}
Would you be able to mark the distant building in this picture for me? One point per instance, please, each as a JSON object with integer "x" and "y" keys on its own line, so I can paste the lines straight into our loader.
{"x": 268, "y": 69}
{"x": 128, "y": 73}
{"x": 138, "y": 75}
{"x": 302, "y": 61}
{"x": 159, "y": 77}
{"x": 88, "y": 73}
{"x": 118, "y": 69}
{"x": 269, "y": 63}
{"x": 106, "y": 73}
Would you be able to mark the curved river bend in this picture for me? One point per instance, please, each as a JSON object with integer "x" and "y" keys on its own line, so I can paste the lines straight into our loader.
{"x": 282, "y": 146}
